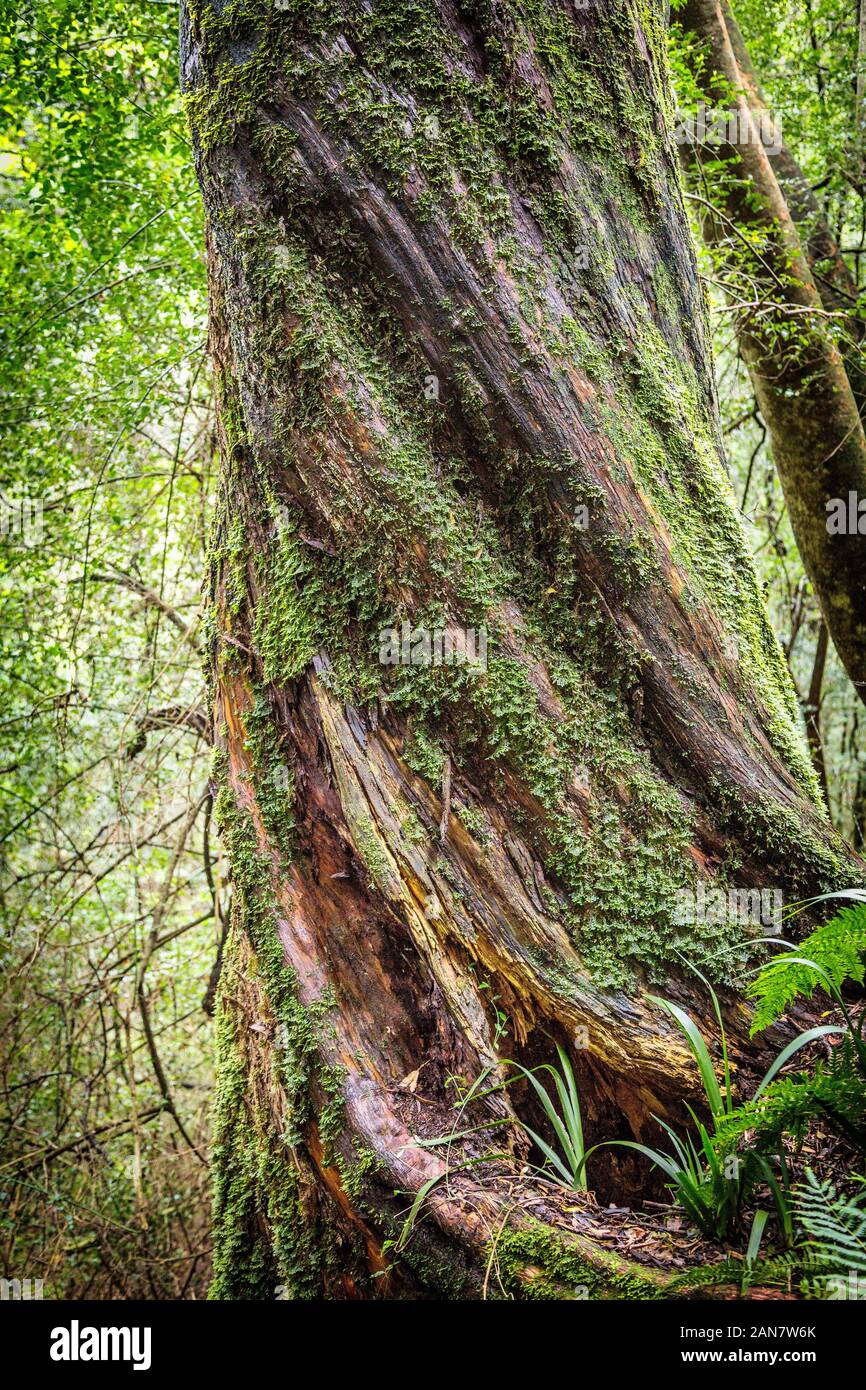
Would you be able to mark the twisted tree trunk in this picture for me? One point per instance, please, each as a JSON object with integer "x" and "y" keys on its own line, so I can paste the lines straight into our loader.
{"x": 465, "y": 383}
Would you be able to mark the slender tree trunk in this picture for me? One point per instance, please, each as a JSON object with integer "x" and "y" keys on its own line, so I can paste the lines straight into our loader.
{"x": 465, "y": 383}
{"x": 860, "y": 88}
{"x": 835, "y": 283}
{"x": 792, "y": 350}
{"x": 854, "y": 745}
{"x": 813, "y": 710}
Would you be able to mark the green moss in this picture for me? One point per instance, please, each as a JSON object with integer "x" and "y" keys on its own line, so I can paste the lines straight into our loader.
{"x": 356, "y": 1175}
{"x": 255, "y": 1177}
{"x": 241, "y": 63}
{"x": 424, "y": 756}
{"x": 448, "y": 1277}
{"x": 809, "y": 862}
{"x": 464, "y": 131}
{"x": 275, "y": 781}
{"x": 243, "y": 1264}
{"x": 371, "y": 850}
{"x": 538, "y": 1264}
{"x": 475, "y": 822}
{"x": 299, "y": 1028}
{"x": 412, "y": 830}
{"x": 263, "y": 1239}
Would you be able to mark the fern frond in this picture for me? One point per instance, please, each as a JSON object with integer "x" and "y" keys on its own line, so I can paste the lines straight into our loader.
{"x": 837, "y": 949}
{"x": 833, "y": 1090}
{"x": 835, "y": 1226}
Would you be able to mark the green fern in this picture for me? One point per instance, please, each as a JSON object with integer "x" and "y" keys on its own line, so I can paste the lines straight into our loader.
{"x": 833, "y": 1090}
{"x": 832, "y": 954}
{"x": 835, "y": 1226}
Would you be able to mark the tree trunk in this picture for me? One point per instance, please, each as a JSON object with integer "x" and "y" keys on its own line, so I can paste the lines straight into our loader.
{"x": 835, "y": 283}
{"x": 813, "y": 710}
{"x": 465, "y": 383}
{"x": 791, "y": 348}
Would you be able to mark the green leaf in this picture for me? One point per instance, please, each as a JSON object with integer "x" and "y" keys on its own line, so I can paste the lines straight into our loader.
{"x": 699, "y": 1052}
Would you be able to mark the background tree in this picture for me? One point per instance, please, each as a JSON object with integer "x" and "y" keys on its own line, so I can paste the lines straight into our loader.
{"x": 798, "y": 69}
{"x": 796, "y": 343}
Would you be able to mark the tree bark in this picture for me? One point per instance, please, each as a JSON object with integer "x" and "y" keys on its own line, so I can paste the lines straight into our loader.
{"x": 813, "y": 710}
{"x": 465, "y": 383}
{"x": 792, "y": 351}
